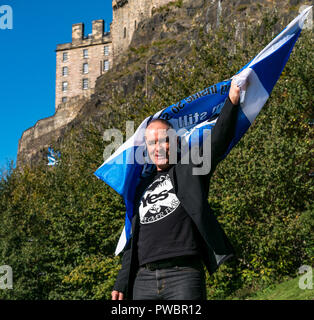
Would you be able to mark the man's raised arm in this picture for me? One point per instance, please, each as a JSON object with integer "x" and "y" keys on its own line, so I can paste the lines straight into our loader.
{"x": 224, "y": 129}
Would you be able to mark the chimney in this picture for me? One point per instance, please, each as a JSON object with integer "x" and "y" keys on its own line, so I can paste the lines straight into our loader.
{"x": 77, "y": 33}
{"x": 98, "y": 30}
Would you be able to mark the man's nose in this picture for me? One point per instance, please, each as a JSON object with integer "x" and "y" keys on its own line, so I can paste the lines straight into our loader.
{"x": 160, "y": 149}
{"x": 157, "y": 147}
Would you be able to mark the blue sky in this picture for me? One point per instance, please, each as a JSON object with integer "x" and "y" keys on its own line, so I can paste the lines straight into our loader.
{"x": 28, "y": 61}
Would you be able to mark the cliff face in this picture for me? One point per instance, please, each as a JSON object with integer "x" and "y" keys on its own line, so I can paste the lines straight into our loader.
{"x": 167, "y": 35}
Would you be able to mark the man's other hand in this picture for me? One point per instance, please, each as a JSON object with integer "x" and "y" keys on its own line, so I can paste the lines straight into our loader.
{"x": 116, "y": 295}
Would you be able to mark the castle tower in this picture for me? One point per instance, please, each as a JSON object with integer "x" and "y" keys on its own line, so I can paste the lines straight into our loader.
{"x": 126, "y": 16}
{"x": 80, "y": 62}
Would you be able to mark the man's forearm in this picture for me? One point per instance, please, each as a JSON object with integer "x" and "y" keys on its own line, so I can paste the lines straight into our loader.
{"x": 224, "y": 130}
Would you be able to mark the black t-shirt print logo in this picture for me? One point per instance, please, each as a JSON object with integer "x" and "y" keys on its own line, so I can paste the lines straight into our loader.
{"x": 152, "y": 198}
{"x": 158, "y": 200}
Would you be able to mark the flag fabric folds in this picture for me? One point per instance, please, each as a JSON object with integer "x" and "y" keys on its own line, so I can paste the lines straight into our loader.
{"x": 122, "y": 170}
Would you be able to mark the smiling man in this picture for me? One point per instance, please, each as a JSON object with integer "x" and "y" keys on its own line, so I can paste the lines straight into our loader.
{"x": 157, "y": 140}
{"x": 174, "y": 234}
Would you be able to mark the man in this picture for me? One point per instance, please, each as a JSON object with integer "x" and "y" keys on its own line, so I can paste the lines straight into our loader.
{"x": 173, "y": 231}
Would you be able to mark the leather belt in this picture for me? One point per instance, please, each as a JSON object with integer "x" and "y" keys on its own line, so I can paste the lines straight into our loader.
{"x": 183, "y": 261}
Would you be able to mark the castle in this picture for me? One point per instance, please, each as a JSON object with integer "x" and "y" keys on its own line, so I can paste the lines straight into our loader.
{"x": 80, "y": 62}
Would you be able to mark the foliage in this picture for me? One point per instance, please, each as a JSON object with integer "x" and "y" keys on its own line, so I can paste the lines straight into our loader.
{"x": 55, "y": 219}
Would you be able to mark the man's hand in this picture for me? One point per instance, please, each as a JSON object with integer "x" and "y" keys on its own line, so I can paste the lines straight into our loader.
{"x": 116, "y": 295}
{"x": 234, "y": 93}
{"x": 239, "y": 85}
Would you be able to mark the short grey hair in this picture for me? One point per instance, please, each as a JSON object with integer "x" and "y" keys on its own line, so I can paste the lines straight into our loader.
{"x": 166, "y": 122}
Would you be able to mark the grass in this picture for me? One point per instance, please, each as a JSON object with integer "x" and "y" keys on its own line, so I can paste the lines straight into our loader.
{"x": 140, "y": 50}
{"x": 287, "y": 290}
{"x": 166, "y": 7}
{"x": 163, "y": 43}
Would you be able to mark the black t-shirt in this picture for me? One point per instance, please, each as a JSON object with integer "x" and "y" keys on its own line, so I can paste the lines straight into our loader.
{"x": 166, "y": 230}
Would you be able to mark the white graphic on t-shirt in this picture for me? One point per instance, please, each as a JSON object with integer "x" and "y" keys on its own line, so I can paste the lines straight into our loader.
{"x": 158, "y": 200}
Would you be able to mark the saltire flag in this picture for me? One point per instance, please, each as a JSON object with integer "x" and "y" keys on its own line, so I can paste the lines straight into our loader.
{"x": 122, "y": 171}
{"x": 52, "y": 155}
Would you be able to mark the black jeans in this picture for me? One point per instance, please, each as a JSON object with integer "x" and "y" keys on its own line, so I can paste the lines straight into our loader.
{"x": 174, "y": 283}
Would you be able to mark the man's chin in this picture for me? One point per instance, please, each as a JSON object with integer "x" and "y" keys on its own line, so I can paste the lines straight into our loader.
{"x": 161, "y": 165}
{"x": 161, "y": 162}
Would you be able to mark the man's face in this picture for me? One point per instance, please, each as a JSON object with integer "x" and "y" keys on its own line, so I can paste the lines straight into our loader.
{"x": 157, "y": 142}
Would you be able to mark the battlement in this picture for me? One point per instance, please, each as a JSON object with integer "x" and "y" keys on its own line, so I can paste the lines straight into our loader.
{"x": 79, "y": 39}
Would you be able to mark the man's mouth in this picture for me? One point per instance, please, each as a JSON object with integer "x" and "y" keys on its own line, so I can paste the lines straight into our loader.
{"x": 160, "y": 157}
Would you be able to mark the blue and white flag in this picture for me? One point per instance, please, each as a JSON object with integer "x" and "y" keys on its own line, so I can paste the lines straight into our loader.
{"x": 122, "y": 171}
{"x": 51, "y": 156}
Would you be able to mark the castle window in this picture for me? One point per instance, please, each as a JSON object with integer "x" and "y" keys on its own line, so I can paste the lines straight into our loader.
{"x": 65, "y": 71}
{"x": 106, "y": 65}
{"x": 85, "y": 84}
{"x": 64, "y": 99}
{"x": 64, "y": 86}
{"x": 124, "y": 33}
{"x": 85, "y": 53}
{"x": 106, "y": 50}
{"x": 85, "y": 67}
{"x": 135, "y": 24}
{"x": 65, "y": 57}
